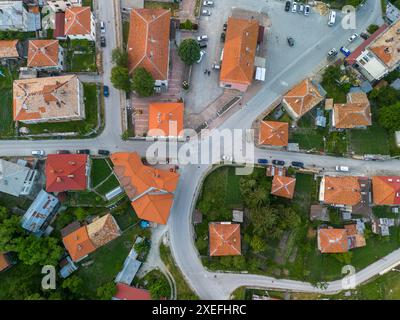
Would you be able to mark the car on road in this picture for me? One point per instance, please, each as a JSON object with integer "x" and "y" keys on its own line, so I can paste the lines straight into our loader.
{"x": 227, "y": 158}
{"x": 83, "y": 151}
{"x": 294, "y": 7}
{"x": 202, "y": 38}
{"x": 102, "y": 27}
{"x": 104, "y": 152}
{"x": 103, "y": 41}
{"x": 345, "y": 51}
{"x": 278, "y": 162}
{"x": 301, "y": 8}
{"x": 262, "y": 161}
{"x": 205, "y": 12}
{"x": 353, "y": 37}
{"x": 38, "y": 153}
{"x": 307, "y": 10}
{"x": 106, "y": 91}
{"x": 332, "y": 18}
{"x": 202, "y": 53}
{"x": 63, "y": 152}
{"x": 364, "y": 35}
{"x": 208, "y": 3}
{"x": 332, "y": 53}
{"x": 342, "y": 168}
{"x": 298, "y": 164}
{"x": 225, "y": 27}
{"x": 202, "y": 44}
{"x": 290, "y": 41}
{"x": 223, "y": 35}
{"x": 287, "y": 6}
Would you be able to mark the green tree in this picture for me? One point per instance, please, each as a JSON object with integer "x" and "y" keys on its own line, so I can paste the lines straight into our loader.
{"x": 142, "y": 247}
{"x": 80, "y": 214}
{"x": 389, "y": 117}
{"x": 120, "y": 57}
{"x": 257, "y": 244}
{"x": 159, "y": 288}
{"x": 386, "y": 96}
{"x": 344, "y": 258}
{"x": 34, "y": 296}
{"x": 120, "y": 78}
{"x": 74, "y": 284}
{"x": 189, "y": 51}
{"x": 143, "y": 82}
{"x": 372, "y": 28}
{"x": 3, "y": 213}
{"x": 10, "y": 229}
{"x": 106, "y": 291}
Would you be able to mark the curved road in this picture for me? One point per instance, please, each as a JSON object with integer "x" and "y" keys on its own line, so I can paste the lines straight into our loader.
{"x": 206, "y": 284}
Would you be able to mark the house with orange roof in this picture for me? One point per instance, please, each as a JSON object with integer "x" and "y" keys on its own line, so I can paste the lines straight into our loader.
{"x": 332, "y": 240}
{"x": 355, "y": 114}
{"x": 125, "y": 292}
{"x": 11, "y": 49}
{"x": 302, "y": 98}
{"x": 386, "y": 190}
{"x": 67, "y": 172}
{"x": 166, "y": 119}
{"x": 283, "y": 186}
{"x": 274, "y": 133}
{"x": 51, "y": 99}
{"x": 81, "y": 241}
{"x": 237, "y": 69}
{"x": 224, "y": 239}
{"x": 149, "y": 189}
{"x": 45, "y": 55}
{"x": 148, "y": 44}
{"x": 80, "y": 23}
{"x": 5, "y": 261}
{"x": 342, "y": 192}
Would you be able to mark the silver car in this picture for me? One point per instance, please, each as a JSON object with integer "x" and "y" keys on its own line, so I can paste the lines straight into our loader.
{"x": 205, "y": 12}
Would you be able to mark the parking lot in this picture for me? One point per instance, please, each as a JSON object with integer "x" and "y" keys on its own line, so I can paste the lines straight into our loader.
{"x": 306, "y": 32}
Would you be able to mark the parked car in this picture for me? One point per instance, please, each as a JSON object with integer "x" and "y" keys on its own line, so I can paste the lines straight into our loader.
{"x": 104, "y": 152}
{"x": 227, "y": 158}
{"x": 202, "y": 38}
{"x": 364, "y": 35}
{"x": 353, "y": 37}
{"x": 103, "y": 41}
{"x": 298, "y": 164}
{"x": 294, "y": 7}
{"x": 83, "y": 151}
{"x": 225, "y": 26}
{"x": 106, "y": 91}
{"x": 278, "y": 162}
{"x": 38, "y": 153}
{"x": 208, "y": 3}
{"x": 202, "y": 44}
{"x": 307, "y": 10}
{"x": 345, "y": 51}
{"x": 262, "y": 161}
{"x": 63, "y": 152}
{"x": 102, "y": 27}
{"x": 290, "y": 41}
{"x": 301, "y": 8}
{"x": 202, "y": 53}
{"x": 287, "y": 6}
{"x": 205, "y": 12}
{"x": 223, "y": 35}
{"x": 332, "y": 53}
{"x": 342, "y": 168}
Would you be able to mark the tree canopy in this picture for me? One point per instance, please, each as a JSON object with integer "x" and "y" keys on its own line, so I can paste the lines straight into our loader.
{"x": 143, "y": 82}
{"x": 120, "y": 78}
{"x": 189, "y": 51}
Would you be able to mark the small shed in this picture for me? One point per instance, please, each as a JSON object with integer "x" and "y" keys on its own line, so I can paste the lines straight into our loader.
{"x": 237, "y": 216}
{"x": 319, "y": 212}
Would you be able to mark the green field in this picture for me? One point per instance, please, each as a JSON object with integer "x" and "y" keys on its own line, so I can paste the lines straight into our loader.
{"x": 100, "y": 171}
{"x": 80, "y": 56}
{"x": 6, "y": 104}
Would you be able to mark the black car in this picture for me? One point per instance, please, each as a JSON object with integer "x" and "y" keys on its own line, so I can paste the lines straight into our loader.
{"x": 364, "y": 35}
{"x": 287, "y": 6}
{"x": 298, "y": 164}
{"x": 103, "y": 41}
{"x": 290, "y": 41}
{"x": 63, "y": 152}
{"x": 225, "y": 26}
{"x": 104, "y": 153}
{"x": 278, "y": 162}
{"x": 83, "y": 151}
{"x": 223, "y": 37}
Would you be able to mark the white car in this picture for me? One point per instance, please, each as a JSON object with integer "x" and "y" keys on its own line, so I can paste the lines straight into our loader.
{"x": 38, "y": 153}
{"x": 202, "y": 38}
{"x": 208, "y": 3}
{"x": 227, "y": 158}
{"x": 307, "y": 10}
{"x": 342, "y": 168}
{"x": 353, "y": 37}
{"x": 205, "y": 12}
{"x": 294, "y": 8}
{"x": 202, "y": 53}
{"x": 102, "y": 27}
{"x": 301, "y": 8}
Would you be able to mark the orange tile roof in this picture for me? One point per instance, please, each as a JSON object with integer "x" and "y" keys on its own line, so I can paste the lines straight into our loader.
{"x": 103, "y": 230}
{"x": 303, "y": 97}
{"x": 283, "y": 187}
{"x": 239, "y": 51}
{"x": 386, "y": 190}
{"x": 4, "y": 263}
{"x": 8, "y": 49}
{"x": 150, "y": 189}
{"x": 341, "y": 190}
{"x": 224, "y": 239}
{"x": 43, "y": 53}
{"x": 78, "y": 21}
{"x": 65, "y": 172}
{"x": 333, "y": 240}
{"x": 78, "y": 244}
{"x": 274, "y": 133}
{"x": 355, "y": 113}
{"x": 148, "y": 42}
{"x": 166, "y": 119}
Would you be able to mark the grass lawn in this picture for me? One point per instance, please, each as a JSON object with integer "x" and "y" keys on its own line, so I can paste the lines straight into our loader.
{"x": 126, "y": 217}
{"x": 6, "y": 110}
{"x": 9, "y": 201}
{"x": 110, "y": 184}
{"x": 184, "y": 292}
{"x": 100, "y": 171}
{"x": 87, "y": 3}
{"x": 125, "y": 32}
{"x": 152, "y": 277}
{"x": 164, "y": 5}
{"x": 80, "y": 56}
{"x": 83, "y": 127}
{"x": 85, "y": 199}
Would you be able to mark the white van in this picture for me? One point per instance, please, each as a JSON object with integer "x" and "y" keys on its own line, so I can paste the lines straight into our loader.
{"x": 38, "y": 153}
{"x": 332, "y": 18}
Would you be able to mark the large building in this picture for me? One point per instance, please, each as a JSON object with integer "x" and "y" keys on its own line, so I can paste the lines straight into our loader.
{"x": 386, "y": 190}
{"x": 149, "y": 189}
{"x": 148, "y": 44}
{"x": 16, "y": 16}
{"x": 17, "y": 179}
{"x": 80, "y": 23}
{"x": 237, "y": 69}
{"x": 45, "y": 55}
{"x": 51, "y": 99}
{"x": 166, "y": 119}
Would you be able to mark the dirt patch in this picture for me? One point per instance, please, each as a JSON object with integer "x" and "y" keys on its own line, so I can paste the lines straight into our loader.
{"x": 322, "y": 8}
{"x": 311, "y": 233}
